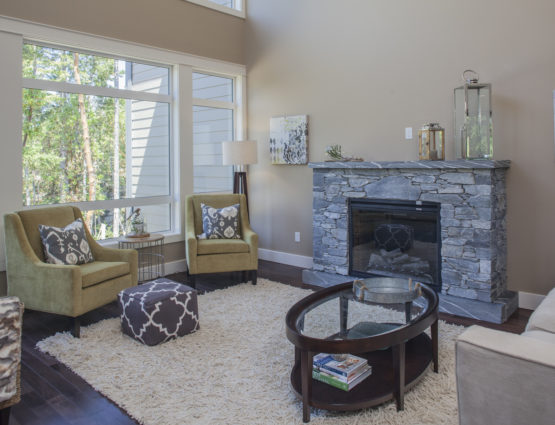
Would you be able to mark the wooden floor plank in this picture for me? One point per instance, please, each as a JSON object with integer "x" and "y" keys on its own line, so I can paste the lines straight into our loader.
{"x": 53, "y": 395}
{"x": 23, "y": 413}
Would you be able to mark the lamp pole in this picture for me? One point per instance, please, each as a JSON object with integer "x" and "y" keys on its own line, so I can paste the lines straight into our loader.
{"x": 240, "y": 154}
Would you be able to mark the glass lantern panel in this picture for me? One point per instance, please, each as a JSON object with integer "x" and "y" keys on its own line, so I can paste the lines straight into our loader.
{"x": 459, "y": 133}
{"x": 478, "y": 123}
{"x": 433, "y": 145}
{"x": 438, "y": 151}
{"x": 424, "y": 145}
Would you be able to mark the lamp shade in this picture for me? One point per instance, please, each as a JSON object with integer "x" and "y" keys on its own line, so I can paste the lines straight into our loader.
{"x": 239, "y": 153}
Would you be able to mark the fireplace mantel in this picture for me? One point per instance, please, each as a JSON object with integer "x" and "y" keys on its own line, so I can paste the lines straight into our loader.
{"x": 473, "y": 204}
{"x": 414, "y": 165}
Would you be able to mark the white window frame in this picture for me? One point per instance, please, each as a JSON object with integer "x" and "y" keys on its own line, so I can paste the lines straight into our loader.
{"x": 238, "y": 104}
{"x": 12, "y": 34}
{"x": 73, "y": 88}
{"x": 238, "y": 11}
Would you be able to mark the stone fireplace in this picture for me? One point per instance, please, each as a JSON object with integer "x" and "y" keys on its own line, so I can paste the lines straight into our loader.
{"x": 471, "y": 199}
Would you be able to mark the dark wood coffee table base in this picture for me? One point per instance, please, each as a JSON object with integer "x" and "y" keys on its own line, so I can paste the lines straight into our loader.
{"x": 381, "y": 386}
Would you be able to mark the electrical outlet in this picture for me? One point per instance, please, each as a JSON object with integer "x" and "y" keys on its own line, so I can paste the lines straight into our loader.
{"x": 297, "y": 236}
{"x": 408, "y": 133}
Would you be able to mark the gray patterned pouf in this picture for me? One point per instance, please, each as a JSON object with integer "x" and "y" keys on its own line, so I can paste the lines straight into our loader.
{"x": 158, "y": 311}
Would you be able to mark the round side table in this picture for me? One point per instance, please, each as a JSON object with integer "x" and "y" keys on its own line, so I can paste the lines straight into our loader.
{"x": 151, "y": 255}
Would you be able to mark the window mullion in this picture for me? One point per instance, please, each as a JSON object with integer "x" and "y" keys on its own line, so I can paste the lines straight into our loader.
{"x": 113, "y": 203}
{"x": 64, "y": 87}
{"x": 213, "y": 103}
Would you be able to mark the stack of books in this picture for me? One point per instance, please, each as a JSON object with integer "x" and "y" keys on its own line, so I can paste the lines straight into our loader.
{"x": 344, "y": 374}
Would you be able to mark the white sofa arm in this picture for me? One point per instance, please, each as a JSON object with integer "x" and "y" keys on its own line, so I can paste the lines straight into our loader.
{"x": 504, "y": 378}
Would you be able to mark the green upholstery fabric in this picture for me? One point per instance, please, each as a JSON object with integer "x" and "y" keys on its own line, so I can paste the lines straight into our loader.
{"x": 98, "y": 295}
{"x": 218, "y": 255}
{"x": 221, "y": 246}
{"x": 57, "y": 288}
{"x": 99, "y": 271}
{"x": 55, "y": 216}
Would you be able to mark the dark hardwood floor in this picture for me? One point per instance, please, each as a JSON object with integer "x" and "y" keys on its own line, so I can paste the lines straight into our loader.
{"x": 53, "y": 395}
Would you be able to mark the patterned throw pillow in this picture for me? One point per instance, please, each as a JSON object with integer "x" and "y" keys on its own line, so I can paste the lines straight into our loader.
{"x": 222, "y": 223}
{"x": 66, "y": 245}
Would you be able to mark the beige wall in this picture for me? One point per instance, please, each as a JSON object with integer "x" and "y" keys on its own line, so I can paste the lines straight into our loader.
{"x": 169, "y": 24}
{"x": 363, "y": 70}
{"x": 174, "y": 252}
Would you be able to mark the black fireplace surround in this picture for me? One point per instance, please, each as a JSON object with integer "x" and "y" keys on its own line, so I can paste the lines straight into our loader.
{"x": 395, "y": 238}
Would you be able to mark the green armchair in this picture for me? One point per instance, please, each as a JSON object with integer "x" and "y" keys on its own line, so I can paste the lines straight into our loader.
{"x": 67, "y": 290}
{"x": 219, "y": 255}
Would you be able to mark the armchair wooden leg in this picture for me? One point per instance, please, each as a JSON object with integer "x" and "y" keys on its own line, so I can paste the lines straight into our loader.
{"x": 191, "y": 279}
{"x": 254, "y": 274}
{"x": 5, "y": 416}
{"x": 76, "y": 328}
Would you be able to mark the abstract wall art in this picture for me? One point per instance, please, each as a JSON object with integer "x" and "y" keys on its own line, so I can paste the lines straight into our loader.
{"x": 288, "y": 139}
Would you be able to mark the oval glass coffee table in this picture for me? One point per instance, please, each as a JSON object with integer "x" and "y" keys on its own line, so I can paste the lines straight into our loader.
{"x": 384, "y": 323}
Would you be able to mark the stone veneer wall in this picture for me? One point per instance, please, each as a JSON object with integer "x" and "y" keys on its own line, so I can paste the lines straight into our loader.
{"x": 473, "y": 206}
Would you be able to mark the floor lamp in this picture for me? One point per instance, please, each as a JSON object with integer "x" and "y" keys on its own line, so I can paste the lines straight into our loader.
{"x": 240, "y": 154}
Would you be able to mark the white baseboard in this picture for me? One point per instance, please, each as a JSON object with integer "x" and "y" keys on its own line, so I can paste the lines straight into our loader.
{"x": 179, "y": 266}
{"x": 528, "y": 300}
{"x": 175, "y": 266}
{"x": 285, "y": 258}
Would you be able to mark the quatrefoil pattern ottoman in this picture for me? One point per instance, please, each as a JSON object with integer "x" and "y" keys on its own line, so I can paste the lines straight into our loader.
{"x": 158, "y": 311}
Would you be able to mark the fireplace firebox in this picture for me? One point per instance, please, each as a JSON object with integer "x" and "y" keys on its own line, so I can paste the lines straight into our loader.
{"x": 395, "y": 238}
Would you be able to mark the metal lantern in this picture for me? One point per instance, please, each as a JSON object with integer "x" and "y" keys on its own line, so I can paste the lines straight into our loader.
{"x": 431, "y": 142}
{"x": 473, "y": 128}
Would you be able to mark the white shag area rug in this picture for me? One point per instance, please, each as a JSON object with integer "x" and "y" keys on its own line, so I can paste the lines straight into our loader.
{"x": 235, "y": 369}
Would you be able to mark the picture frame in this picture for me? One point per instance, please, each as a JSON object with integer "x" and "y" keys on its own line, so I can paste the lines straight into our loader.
{"x": 289, "y": 139}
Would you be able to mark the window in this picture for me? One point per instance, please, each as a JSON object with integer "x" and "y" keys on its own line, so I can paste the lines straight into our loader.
{"x": 225, "y": 3}
{"x": 214, "y": 113}
{"x": 233, "y": 7}
{"x": 96, "y": 134}
{"x": 155, "y": 103}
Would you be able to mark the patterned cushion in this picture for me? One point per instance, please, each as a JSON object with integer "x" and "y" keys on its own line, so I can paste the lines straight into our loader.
{"x": 66, "y": 245}
{"x": 393, "y": 236}
{"x": 158, "y": 311}
{"x": 220, "y": 223}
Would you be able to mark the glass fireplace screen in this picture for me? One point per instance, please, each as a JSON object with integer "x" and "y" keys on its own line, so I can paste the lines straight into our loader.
{"x": 395, "y": 238}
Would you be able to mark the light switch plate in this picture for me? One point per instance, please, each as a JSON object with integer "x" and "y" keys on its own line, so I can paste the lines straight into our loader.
{"x": 408, "y": 133}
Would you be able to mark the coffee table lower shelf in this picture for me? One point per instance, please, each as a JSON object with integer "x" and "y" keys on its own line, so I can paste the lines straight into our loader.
{"x": 378, "y": 387}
